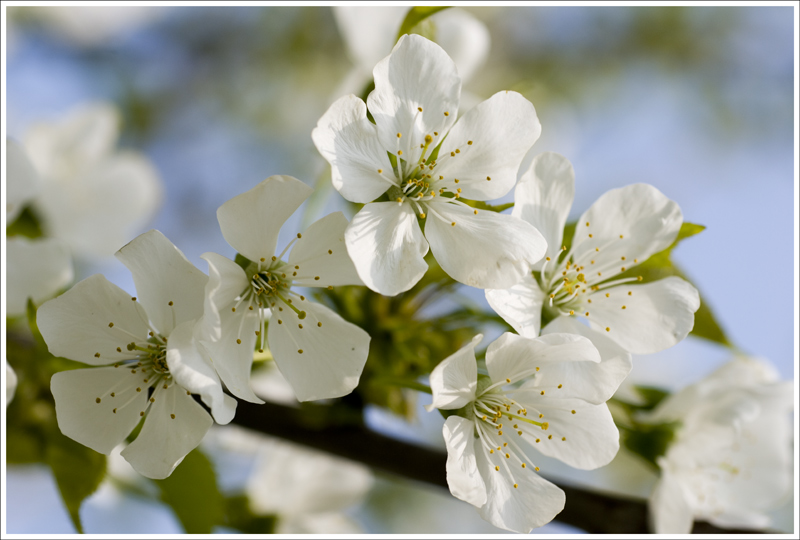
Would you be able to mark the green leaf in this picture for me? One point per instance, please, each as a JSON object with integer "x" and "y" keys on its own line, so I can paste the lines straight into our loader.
{"x": 649, "y": 441}
{"x": 26, "y": 224}
{"x": 240, "y": 517}
{"x": 78, "y": 471}
{"x": 651, "y": 395}
{"x": 415, "y": 16}
{"x": 191, "y": 490}
{"x": 480, "y": 205}
{"x": 242, "y": 261}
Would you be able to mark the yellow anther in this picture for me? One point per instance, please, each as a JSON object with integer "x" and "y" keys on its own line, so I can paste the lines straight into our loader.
{"x": 299, "y": 351}
{"x": 572, "y": 312}
{"x": 475, "y": 212}
{"x": 541, "y": 415}
{"x": 233, "y": 309}
{"x": 97, "y": 400}
{"x": 452, "y": 154}
{"x": 399, "y": 135}
{"x": 97, "y": 355}
{"x": 453, "y": 224}
{"x": 399, "y": 152}
{"x": 623, "y": 307}
{"x": 422, "y": 215}
{"x": 639, "y": 278}
{"x": 119, "y": 349}
{"x": 536, "y": 469}
{"x": 508, "y": 456}
{"x": 379, "y": 172}
{"x": 496, "y": 467}
{"x": 280, "y": 321}
{"x": 419, "y": 109}
{"x": 114, "y": 411}
{"x": 446, "y": 113}
{"x": 515, "y": 485}
{"x": 508, "y": 380}
{"x": 238, "y": 341}
{"x": 455, "y": 180}
{"x": 133, "y": 298}
{"x": 581, "y": 278}
{"x": 586, "y": 314}
{"x": 608, "y": 295}
{"x": 560, "y": 385}
{"x": 542, "y": 392}
{"x": 469, "y": 143}
{"x": 489, "y": 178}
{"x": 319, "y": 324}
{"x": 573, "y": 411}
{"x": 621, "y": 236}
{"x": 608, "y": 329}
{"x": 537, "y": 440}
{"x": 563, "y": 438}
{"x": 549, "y": 437}
{"x": 500, "y": 432}
{"x": 274, "y": 258}
{"x": 545, "y": 425}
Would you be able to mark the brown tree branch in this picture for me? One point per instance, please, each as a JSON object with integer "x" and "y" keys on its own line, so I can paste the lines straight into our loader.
{"x": 343, "y": 436}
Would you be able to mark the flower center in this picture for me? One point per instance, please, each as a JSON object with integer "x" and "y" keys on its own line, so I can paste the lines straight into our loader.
{"x": 579, "y": 280}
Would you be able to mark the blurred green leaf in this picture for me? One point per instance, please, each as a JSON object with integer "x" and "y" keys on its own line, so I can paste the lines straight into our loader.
{"x": 480, "y": 205}
{"x": 78, "y": 471}
{"x": 651, "y": 395}
{"x": 26, "y": 224}
{"x": 415, "y": 16}
{"x": 240, "y": 517}
{"x": 649, "y": 441}
{"x": 191, "y": 490}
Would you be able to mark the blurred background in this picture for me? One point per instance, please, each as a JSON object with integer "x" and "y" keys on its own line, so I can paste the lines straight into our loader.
{"x": 697, "y": 101}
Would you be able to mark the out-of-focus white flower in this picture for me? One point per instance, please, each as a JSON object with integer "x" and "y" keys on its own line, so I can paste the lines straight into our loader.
{"x": 320, "y": 354}
{"x": 91, "y": 196}
{"x": 731, "y": 459}
{"x": 11, "y": 383}
{"x": 424, "y": 161}
{"x": 541, "y": 392}
{"x": 37, "y": 269}
{"x": 623, "y": 228}
{"x": 96, "y": 25}
{"x": 369, "y": 33}
{"x": 306, "y": 489}
{"x": 146, "y": 343}
{"x": 23, "y": 183}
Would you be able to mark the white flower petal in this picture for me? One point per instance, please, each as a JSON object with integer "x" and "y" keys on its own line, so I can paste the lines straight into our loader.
{"x": 324, "y": 358}
{"x": 350, "y": 143}
{"x": 11, "y": 383}
{"x": 463, "y": 477}
{"x": 485, "y": 250}
{"x": 502, "y": 130}
{"x": 656, "y": 315}
{"x": 23, "y": 182}
{"x": 464, "y": 38}
{"x": 387, "y": 247}
{"x": 543, "y": 197}
{"x": 322, "y": 255}
{"x": 226, "y": 281}
{"x": 84, "y": 136}
{"x": 513, "y": 357}
{"x": 250, "y": 222}
{"x": 454, "y": 380}
{"x": 418, "y": 74}
{"x": 591, "y": 438}
{"x": 520, "y": 306}
{"x": 368, "y": 32}
{"x": 99, "y": 209}
{"x": 232, "y": 354}
{"x": 37, "y": 269}
{"x": 329, "y": 523}
{"x": 170, "y": 288}
{"x": 196, "y": 374}
{"x": 634, "y": 222}
{"x": 532, "y": 504}
{"x": 78, "y": 324}
{"x": 669, "y": 509}
{"x": 174, "y": 426}
{"x": 293, "y": 480}
{"x": 100, "y": 426}
{"x": 590, "y": 381}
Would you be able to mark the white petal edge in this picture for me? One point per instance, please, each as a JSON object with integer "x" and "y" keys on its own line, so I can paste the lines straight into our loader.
{"x": 349, "y": 142}
{"x": 174, "y": 426}
{"x": 454, "y": 381}
{"x": 656, "y": 316}
{"x": 463, "y": 477}
{"x": 520, "y": 305}
{"x": 250, "y": 222}
{"x": 37, "y": 269}
{"x": 322, "y": 255}
{"x": 322, "y": 355}
{"x": 78, "y": 324}
{"x": 22, "y": 180}
{"x": 196, "y": 374}
{"x": 226, "y": 281}
{"x": 543, "y": 197}
{"x": 669, "y": 509}
{"x": 170, "y": 288}
{"x": 502, "y": 130}
{"x": 485, "y": 250}
{"x": 387, "y": 247}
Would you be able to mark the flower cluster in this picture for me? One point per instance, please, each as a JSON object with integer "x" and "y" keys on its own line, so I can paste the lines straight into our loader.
{"x": 171, "y": 358}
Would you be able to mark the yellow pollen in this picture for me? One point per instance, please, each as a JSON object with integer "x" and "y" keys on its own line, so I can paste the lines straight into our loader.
{"x": 560, "y": 385}
{"x": 538, "y": 440}
{"x": 608, "y": 294}
{"x": 238, "y": 341}
{"x": 515, "y": 485}
{"x": 629, "y": 293}
{"x": 300, "y": 326}
{"x": 590, "y": 236}
{"x": 508, "y": 456}
{"x": 453, "y": 224}
{"x": 152, "y": 400}
{"x": 496, "y": 467}
{"x": 97, "y": 400}
{"x": 636, "y": 260}
{"x": 280, "y": 321}
{"x": 545, "y": 425}
{"x": 114, "y": 411}
{"x": 435, "y": 134}
{"x": 172, "y": 416}
{"x": 508, "y": 380}
{"x": 319, "y": 324}
{"x": 597, "y": 249}
{"x": 541, "y": 415}
{"x": 379, "y": 172}
{"x": 233, "y": 309}
{"x": 587, "y": 223}
{"x": 119, "y": 350}
{"x": 537, "y": 369}
{"x": 587, "y": 313}
{"x": 299, "y": 351}
{"x": 399, "y": 135}
{"x": 623, "y": 307}
{"x": 419, "y": 109}
{"x": 475, "y": 212}
{"x": 455, "y": 180}
{"x": 138, "y": 389}
{"x": 446, "y": 113}
{"x": 399, "y": 199}
{"x": 399, "y": 152}
{"x": 639, "y": 278}
{"x": 536, "y": 469}
{"x": 608, "y": 329}
{"x": 621, "y": 236}
{"x": 422, "y": 215}
{"x": 113, "y": 394}
{"x": 274, "y": 258}
{"x": 549, "y": 437}
{"x": 573, "y": 411}
{"x": 542, "y": 392}
{"x": 488, "y": 177}
{"x": 572, "y": 312}
{"x": 622, "y": 269}
{"x": 452, "y": 154}
{"x": 188, "y": 393}
{"x": 499, "y": 432}
{"x": 458, "y": 151}
{"x": 563, "y": 438}
{"x": 469, "y": 143}
{"x": 505, "y": 444}
{"x": 316, "y": 278}
{"x": 623, "y": 257}
{"x": 133, "y": 298}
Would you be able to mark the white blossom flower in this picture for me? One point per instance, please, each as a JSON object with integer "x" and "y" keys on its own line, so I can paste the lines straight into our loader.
{"x": 425, "y": 161}
{"x": 23, "y": 183}
{"x": 320, "y": 354}
{"x": 369, "y": 32}
{"x": 731, "y": 459}
{"x": 92, "y": 196}
{"x": 306, "y": 489}
{"x": 37, "y": 269}
{"x": 11, "y": 383}
{"x": 623, "y": 228}
{"x": 152, "y": 365}
{"x": 541, "y": 392}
